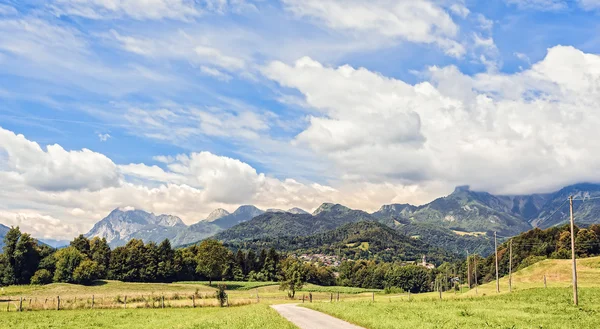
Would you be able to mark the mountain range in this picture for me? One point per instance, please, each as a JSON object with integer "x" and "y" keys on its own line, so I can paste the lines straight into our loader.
{"x": 465, "y": 219}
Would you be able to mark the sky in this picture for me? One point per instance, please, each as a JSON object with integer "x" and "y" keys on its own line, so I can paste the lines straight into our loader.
{"x": 185, "y": 106}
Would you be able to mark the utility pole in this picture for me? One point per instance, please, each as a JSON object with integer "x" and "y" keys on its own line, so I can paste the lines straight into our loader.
{"x": 575, "y": 297}
{"x": 475, "y": 260}
{"x": 497, "y": 277}
{"x": 468, "y": 270}
{"x": 510, "y": 267}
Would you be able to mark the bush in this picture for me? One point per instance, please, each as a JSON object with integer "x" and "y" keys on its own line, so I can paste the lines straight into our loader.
{"x": 86, "y": 272}
{"x": 42, "y": 276}
{"x": 221, "y": 294}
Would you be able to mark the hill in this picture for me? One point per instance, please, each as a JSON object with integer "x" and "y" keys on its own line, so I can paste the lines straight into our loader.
{"x": 280, "y": 224}
{"x": 359, "y": 240}
{"x": 558, "y": 273}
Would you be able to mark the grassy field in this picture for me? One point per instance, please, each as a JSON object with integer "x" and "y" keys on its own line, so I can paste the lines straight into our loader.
{"x": 233, "y": 285}
{"x": 112, "y": 294}
{"x": 243, "y": 317}
{"x": 557, "y": 272}
{"x": 533, "y": 308}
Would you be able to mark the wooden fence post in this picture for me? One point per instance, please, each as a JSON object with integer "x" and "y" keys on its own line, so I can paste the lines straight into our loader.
{"x": 373, "y": 299}
{"x": 302, "y": 298}
{"x": 21, "y": 304}
{"x": 194, "y": 301}
{"x": 58, "y": 303}
{"x": 409, "y": 295}
{"x": 545, "y": 286}
{"x": 125, "y": 302}
{"x": 338, "y": 296}
{"x": 163, "y": 301}
{"x": 331, "y": 298}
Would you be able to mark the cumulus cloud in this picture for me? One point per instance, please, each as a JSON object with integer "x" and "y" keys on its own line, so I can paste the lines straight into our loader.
{"x": 513, "y": 133}
{"x": 186, "y": 185}
{"x": 416, "y": 21}
{"x": 55, "y": 169}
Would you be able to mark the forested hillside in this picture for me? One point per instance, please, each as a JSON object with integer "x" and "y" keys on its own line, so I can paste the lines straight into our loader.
{"x": 361, "y": 240}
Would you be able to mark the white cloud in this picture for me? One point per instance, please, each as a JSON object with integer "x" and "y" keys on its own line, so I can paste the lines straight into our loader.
{"x": 460, "y": 10}
{"x": 6, "y": 10}
{"x": 55, "y": 169}
{"x": 180, "y": 47}
{"x": 137, "y": 9}
{"x": 416, "y": 21}
{"x": 40, "y": 226}
{"x": 543, "y": 5}
{"x": 215, "y": 73}
{"x": 513, "y": 133}
{"x": 104, "y": 137}
{"x": 589, "y": 4}
{"x": 190, "y": 186}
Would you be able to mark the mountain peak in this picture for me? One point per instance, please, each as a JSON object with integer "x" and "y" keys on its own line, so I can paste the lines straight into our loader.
{"x": 297, "y": 211}
{"x": 216, "y": 214}
{"x": 326, "y": 207}
{"x": 246, "y": 209}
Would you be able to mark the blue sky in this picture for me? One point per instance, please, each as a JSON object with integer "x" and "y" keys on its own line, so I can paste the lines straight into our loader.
{"x": 181, "y": 106}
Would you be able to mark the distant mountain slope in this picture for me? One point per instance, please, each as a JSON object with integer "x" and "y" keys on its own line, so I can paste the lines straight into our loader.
{"x": 121, "y": 226}
{"x": 216, "y": 214}
{"x": 395, "y": 211}
{"x": 55, "y": 243}
{"x": 3, "y": 230}
{"x": 586, "y": 212}
{"x": 297, "y": 211}
{"x": 195, "y": 233}
{"x": 359, "y": 240}
{"x": 447, "y": 239}
{"x": 276, "y": 224}
{"x": 525, "y": 206}
{"x": 471, "y": 211}
{"x": 240, "y": 215}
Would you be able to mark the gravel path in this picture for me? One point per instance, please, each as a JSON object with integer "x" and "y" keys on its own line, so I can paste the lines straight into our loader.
{"x": 305, "y": 318}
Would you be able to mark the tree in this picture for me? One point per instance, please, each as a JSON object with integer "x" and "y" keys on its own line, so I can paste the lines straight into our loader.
{"x": 100, "y": 253}
{"x": 82, "y": 244}
{"x": 410, "y": 278}
{"x": 212, "y": 259}
{"x": 87, "y": 272}
{"x": 293, "y": 276}
{"x": 67, "y": 260}
{"x": 165, "y": 262}
{"x": 21, "y": 257}
{"x": 42, "y": 276}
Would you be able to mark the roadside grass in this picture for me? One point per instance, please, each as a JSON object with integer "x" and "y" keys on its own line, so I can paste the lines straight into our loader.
{"x": 533, "y": 308}
{"x": 335, "y": 289}
{"x": 242, "y": 317}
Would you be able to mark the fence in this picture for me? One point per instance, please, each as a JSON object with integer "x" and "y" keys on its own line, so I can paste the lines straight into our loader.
{"x": 20, "y": 304}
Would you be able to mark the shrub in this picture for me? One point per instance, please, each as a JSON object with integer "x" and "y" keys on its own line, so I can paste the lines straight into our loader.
{"x": 221, "y": 294}
{"x": 42, "y": 276}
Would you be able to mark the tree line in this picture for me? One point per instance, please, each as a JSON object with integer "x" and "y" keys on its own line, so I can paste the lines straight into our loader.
{"x": 26, "y": 261}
